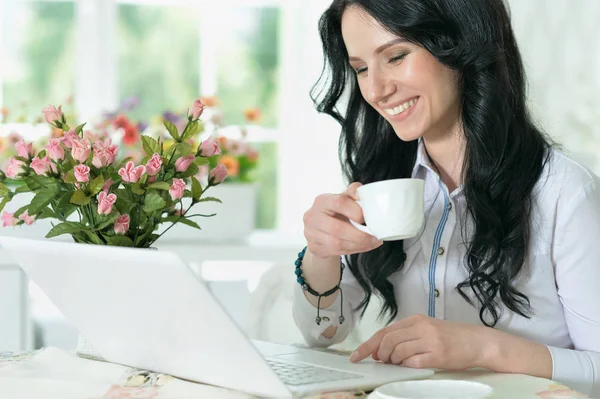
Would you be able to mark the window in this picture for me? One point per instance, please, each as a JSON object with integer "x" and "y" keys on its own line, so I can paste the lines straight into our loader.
{"x": 158, "y": 52}
{"x": 38, "y": 56}
{"x": 165, "y": 54}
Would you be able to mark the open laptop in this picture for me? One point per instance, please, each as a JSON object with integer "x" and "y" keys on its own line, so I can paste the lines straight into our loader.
{"x": 147, "y": 309}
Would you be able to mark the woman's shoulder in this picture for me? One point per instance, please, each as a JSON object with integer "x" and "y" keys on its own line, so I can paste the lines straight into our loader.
{"x": 563, "y": 178}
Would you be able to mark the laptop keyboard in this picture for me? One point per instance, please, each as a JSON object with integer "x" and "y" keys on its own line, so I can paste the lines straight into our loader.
{"x": 304, "y": 374}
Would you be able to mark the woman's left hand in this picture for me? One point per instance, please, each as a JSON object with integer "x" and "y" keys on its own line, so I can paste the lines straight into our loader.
{"x": 424, "y": 342}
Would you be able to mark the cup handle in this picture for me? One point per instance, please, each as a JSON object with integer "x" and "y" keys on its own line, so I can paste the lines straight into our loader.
{"x": 360, "y": 227}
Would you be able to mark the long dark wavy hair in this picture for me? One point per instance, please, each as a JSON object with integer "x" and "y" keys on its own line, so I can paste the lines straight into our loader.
{"x": 505, "y": 152}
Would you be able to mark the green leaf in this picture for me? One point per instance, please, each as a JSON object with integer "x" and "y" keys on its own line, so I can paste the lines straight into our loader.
{"x": 79, "y": 198}
{"x": 3, "y": 190}
{"x": 191, "y": 171}
{"x": 107, "y": 220}
{"x": 199, "y": 161}
{"x": 93, "y": 237}
{"x": 150, "y": 145}
{"x": 36, "y": 183}
{"x": 153, "y": 202}
{"x": 66, "y": 228}
{"x": 22, "y": 159}
{"x": 42, "y": 200}
{"x": 190, "y": 130}
{"x": 172, "y": 130}
{"x": 70, "y": 177}
{"x": 137, "y": 189}
{"x": 22, "y": 189}
{"x": 96, "y": 185}
{"x": 161, "y": 185}
{"x": 120, "y": 241}
{"x": 196, "y": 189}
{"x": 211, "y": 199}
{"x": 190, "y": 223}
{"x": 65, "y": 200}
{"x": 183, "y": 220}
{"x": 42, "y": 154}
{"x": 79, "y": 129}
{"x": 5, "y": 201}
{"x": 47, "y": 213}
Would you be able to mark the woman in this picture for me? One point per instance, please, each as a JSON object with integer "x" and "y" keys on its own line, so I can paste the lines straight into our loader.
{"x": 504, "y": 273}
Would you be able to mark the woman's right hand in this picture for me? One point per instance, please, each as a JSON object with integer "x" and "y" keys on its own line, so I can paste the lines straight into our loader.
{"x": 328, "y": 231}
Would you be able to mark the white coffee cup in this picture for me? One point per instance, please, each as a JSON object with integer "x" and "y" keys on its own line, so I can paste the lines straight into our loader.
{"x": 393, "y": 209}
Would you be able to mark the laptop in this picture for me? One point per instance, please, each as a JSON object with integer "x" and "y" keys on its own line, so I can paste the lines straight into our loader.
{"x": 147, "y": 309}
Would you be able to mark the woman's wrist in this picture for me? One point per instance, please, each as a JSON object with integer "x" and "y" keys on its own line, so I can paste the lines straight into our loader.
{"x": 321, "y": 274}
{"x": 507, "y": 353}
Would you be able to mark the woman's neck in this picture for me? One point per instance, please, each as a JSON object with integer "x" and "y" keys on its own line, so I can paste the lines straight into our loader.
{"x": 446, "y": 152}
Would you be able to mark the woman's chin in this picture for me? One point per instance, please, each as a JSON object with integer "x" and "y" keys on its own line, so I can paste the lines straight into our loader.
{"x": 408, "y": 136}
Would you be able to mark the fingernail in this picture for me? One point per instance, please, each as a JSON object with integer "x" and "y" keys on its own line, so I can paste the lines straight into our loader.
{"x": 354, "y": 356}
{"x": 376, "y": 241}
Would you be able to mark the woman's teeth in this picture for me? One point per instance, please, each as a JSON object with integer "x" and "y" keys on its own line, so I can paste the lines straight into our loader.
{"x": 401, "y": 108}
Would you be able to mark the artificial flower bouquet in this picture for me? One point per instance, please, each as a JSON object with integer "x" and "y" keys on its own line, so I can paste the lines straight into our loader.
{"x": 97, "y": 198}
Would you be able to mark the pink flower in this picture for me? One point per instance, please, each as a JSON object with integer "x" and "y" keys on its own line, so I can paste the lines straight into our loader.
{"x": 82, "y": 173}
{"x": 24, "y": 150}
{"x": 130, "y": 173}
{"x": 196, "y": 110}
{"x": 153, "y": 165}
{"x": 52, "y": 114}
{"x": 122, "y": 224}
{"x": 105, "y": 153}
{"x": 217, "y": 175}
{"x": 177, "y": 189}
{"x": 8, "y": 219}
{"x": 209, "y": 147}
{"x": 42, "y": 166}
{"x": 183, "y": 163}
{"x": 106, "y": 186}
{"x": 105, "y": 203}
{"x": 26, "y": 218}
{"x": 69, "y": 137}
{"x": 81, "y": 150}
{"x": 55, "y": 150}
{"x": 14, "y": 168}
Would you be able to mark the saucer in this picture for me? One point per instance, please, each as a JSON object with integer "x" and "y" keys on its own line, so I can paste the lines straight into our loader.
{"x": 434, "y": 389}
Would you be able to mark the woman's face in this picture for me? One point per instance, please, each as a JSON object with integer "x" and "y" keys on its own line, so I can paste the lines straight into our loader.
{"x": 405, "y": 83}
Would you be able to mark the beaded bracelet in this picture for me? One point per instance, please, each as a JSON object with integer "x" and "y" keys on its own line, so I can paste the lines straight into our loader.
{"x": 300, "y": 279}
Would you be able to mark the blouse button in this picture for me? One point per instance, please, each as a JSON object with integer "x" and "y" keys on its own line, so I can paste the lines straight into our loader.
{"x": 437, "y": 293}
{"x": 326, "y": 319}
{"x": 440, "y": 251}
{"x": 449, "y": 206}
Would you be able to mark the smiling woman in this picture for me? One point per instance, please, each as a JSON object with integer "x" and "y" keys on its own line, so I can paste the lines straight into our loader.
{"x": 436, "y": 91}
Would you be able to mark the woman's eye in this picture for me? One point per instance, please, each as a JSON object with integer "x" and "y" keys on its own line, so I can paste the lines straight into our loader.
{"x": 360, "y": 70}
{"x": 397, "y": 58}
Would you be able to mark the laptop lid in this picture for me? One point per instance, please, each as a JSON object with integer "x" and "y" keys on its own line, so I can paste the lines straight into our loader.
{"x": 146, "y": 309}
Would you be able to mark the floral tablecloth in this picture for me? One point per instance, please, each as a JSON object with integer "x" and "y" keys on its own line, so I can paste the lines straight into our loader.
{"x": 55, "y": 374}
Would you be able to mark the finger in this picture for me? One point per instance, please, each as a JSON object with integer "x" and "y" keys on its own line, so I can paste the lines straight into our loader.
{"x": 351, "y": 190}
{"x": 393, "y": 339}
{"x": 407, "y": 349}
{"x": 343, "y": 230}
{"x": 343, "y": 205}
{"x": 421, "y": 361}
{"x": 370, "y": 346}
{"x": 323, "y": 244}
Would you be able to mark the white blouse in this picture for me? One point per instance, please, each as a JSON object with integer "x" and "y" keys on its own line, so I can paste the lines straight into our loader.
{"x": 561, "y": 275}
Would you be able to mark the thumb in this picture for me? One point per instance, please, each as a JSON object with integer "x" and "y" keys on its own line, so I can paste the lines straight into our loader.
{"x": 351, "y": 191}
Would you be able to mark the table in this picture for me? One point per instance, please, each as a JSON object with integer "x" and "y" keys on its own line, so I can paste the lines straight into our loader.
{"x": 52, "y": 373}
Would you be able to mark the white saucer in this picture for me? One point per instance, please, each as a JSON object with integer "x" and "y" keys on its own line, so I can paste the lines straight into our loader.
{"x": 434, "y": 389}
